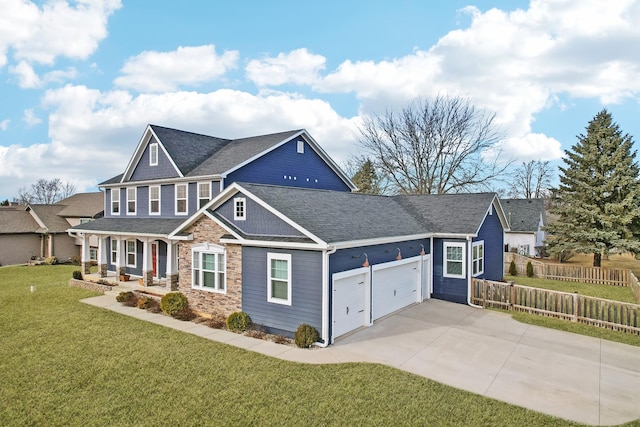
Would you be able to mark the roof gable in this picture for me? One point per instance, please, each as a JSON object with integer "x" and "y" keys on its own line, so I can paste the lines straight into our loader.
{"x": 82, "y": 205}
{"x": 524, "y": 215}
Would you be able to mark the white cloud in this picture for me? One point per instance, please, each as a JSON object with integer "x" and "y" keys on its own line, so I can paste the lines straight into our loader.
{"x": 298, "y": 67}
{"x": 531, "y": 146}
{"x": 30, "y": 118}
{"x": 4, "y": 124}
{"x": 167, "y": 71}
{"x": 27, "y": 77}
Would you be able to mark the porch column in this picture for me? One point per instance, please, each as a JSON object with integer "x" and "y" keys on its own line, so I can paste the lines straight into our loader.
{"x": 50, "y": 244}
{"x": 172, "y": 266}
{"x": 121, "y": 259}
{"x": 147, "y": 263}
{"x": 85, "y": 258}
{"x": 103, "y": 252}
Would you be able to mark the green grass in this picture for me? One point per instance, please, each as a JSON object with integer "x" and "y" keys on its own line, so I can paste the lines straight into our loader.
{"x": 616, "y": 293}
{"x": 67, "y": 363}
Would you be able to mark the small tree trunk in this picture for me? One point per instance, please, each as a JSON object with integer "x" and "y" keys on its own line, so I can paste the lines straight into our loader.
{"x": 597, "y": 259}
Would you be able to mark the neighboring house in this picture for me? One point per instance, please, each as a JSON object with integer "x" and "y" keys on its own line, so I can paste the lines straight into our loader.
{"x": 174, "y": 173}
{"x": 527, "y": 219}
{"x": 38, "y": 231}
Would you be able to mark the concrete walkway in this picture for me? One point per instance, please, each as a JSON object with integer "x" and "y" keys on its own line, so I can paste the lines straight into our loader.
{"x": 571, "y": 376}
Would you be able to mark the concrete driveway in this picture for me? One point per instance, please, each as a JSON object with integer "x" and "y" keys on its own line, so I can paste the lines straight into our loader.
{"x": 571, "y": 376}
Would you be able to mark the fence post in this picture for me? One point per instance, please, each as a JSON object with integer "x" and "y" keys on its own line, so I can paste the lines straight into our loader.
{"x": 575, "y": 307}
{"x": 512, "y": 296}
{"x": 484, "y": 294}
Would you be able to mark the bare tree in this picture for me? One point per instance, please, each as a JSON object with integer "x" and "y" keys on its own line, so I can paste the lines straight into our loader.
{"x": 434, "y": 146}
{"x": 45, "y": 192}
{"x": 532, "y": 180}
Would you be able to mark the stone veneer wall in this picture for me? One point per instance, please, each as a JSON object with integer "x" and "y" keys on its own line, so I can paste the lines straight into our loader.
{"x": 205, "y": 230}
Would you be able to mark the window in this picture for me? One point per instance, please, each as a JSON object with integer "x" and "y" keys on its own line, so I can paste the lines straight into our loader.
{"x": 279, "y": 278}
{"x": 131, "y": 253}
{"x": 204, "y": 193}
{"x": 114, "y": 251}
{"x": 153, "y": 154}
{"x": 454, "y": 259}
{"x": 154, "y": 200}
{"x": 181, "y": 199}
{"x": 93, "y": 253}
{"x": 239, "y": 208}
{"x": 208, "y": 268}
{"x": 131, "y": 200}
{"x": 301, "y": 147}
{"x": 85, "y": 220}
{"x": 115, "y": 201}
{"x": 477, "y": 258}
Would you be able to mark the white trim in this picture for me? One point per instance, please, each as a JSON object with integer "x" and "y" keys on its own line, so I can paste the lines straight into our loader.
{"x": 163, "y": 181}
{"x": 474, "y": 245}
{"x": 119, "y": 201}
{"x": 380, "y": 241}
{"x": 186, "y": 198}
{"x": 137, "y": 154}
{"x": 209, "y": 249}
{"x": 113, "y": 249}
{"x": 208, "y": 198}
{"x": 127, "y": 253}
{"x": 239, "y": 208}
{"x": 275, "y": 244}
{"x": 159, "y": 200}
{"x": 271, "y": 256}
{"x": 153, "y": 146}
{"x": 463, "y": 261}
{"x": 300, "y": 146}
{"x": 134, "y": 200}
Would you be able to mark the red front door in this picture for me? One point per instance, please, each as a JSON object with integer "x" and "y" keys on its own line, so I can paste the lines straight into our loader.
{"x": 154, "y": 259}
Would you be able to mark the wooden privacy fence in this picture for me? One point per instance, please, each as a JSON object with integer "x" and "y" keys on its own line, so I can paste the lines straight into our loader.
{"x": 615, "y": 315}
{"x": 570, "y": 273}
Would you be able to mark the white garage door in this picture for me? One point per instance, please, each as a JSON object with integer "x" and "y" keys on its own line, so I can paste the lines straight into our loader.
{"x": 350, "y": 300}
{"x": 395, "y": 285}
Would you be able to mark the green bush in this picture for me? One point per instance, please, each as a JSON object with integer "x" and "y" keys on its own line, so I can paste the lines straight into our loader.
{"x": 529, "y": 269}
{"x": 305, "y": 336}
{"x": 77, "y": 274}
{"x": 174, "y": 304}
{"x": 513, "y": 270}
{"x": 238, "y": 321}
{"x": 127, "y": 298}
{"x": 51, "y": 260}
{"x": 145, "y": 302}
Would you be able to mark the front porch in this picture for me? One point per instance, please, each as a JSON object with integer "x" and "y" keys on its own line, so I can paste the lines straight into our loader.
{"x": 158, "y": 286}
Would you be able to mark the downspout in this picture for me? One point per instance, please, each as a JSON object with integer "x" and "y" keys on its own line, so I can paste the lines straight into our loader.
{"x": 470, "y": 270}
{"x": 325, "y": 298}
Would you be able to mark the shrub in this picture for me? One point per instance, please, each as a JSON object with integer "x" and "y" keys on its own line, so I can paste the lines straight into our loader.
{"x": 305, "y": 336}
{"x": 127, "y": 298}
{"x": 145, "y": 302}
{"x": 238, "y": 321}
{"x": 513, "y": 271}
{"x": 51, "y": 260}
{"x": 77, "y": 274}
{"x": 74, "y": 260}
{"x": 529, "y": 269}
{"x": 174, "y": 303}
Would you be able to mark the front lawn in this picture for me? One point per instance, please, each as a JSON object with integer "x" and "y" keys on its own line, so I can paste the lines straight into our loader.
{"x": 67, "y": 363}
{"x": 617, "y": 293}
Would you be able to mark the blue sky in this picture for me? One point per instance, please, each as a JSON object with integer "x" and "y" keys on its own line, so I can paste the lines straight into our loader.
{"x": 81, "y": 79}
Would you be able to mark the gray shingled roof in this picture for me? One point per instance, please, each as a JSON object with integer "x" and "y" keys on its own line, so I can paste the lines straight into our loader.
{"x": 82, "y": 205}
{"x": 523, "y": 214}
{"x": 50, "y": 216}
{"x": 153, "y": 226}
{"x": 335, "y": 216}
{"x": 16, "y": 220}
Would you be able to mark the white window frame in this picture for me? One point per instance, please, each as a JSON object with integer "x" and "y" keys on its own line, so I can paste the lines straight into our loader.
{"x": 153, "y": 154}
{"x": 239, "y": 209}
{"x": 115, "y": 201}
{"x": 151, "y": 199}
{"x": 477, "y": 259}
{"x": 114, "y": 251}
{"x": 219, "y": 274}
{"x": 93, "y": 253}
{"x": 278, "y": 257}
{"x": 185, "y": 198}
{"x": 445, "y": 260}
{"x": 300, "y": 147}
{"x": 208, "y": 196}
{"x": 134, "y": 191}
{"x": 130, "y": 253}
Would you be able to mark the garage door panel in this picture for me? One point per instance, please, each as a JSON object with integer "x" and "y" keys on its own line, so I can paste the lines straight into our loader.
{"x": 394, "y": 286}
{"x": 350, "y": 290}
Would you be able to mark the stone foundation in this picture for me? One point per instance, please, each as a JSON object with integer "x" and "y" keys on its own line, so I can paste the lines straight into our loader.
{"x": 86, "y": 268}
{"x": 89, "y": 285}
{"x": 102, "y": 268}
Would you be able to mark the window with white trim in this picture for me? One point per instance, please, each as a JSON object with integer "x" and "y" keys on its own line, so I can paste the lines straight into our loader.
{"x": 301, "y": 147}
{"x": 131, "y": 253}
{"x": 208, "y": 268}
{"x": 93, "y": 253}
{"x": 477, "y": 258}
{"x": 131, "y": 200}
{"x": 239, "y": 208}
{"x": 154, "y": 200}
{"x": 115, "y": 201}
{"x": 454, "y": 260}
{"x": 204, "y": 193}
{"x": 181, "y": 199}
{"x": 279, "y": 278}
{"x": 114, "y": 251}
{"x": 153, "y": 154}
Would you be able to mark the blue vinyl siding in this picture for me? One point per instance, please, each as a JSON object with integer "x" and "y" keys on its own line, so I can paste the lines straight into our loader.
{"x": 447, "y": 288}
{"x": 492, "y": 233}
{"x": 259, "y": 221}
{"x": 164, "y": 169}
{"x": 306, "y": 290}
{"x": 285, "y": 166}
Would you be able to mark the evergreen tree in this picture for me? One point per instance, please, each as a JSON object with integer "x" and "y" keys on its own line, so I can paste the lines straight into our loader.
{"x": 598, "y": 197}
{"x": 366, "y": 178}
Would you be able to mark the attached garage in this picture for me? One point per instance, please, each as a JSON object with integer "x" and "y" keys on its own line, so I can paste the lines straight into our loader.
{"x": 365, "y": 294}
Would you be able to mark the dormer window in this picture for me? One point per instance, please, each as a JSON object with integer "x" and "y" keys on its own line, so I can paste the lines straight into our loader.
{"x": 301, "y": 147}
{"x": 239, "y": 209}
{"x": 153, "y": 154}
